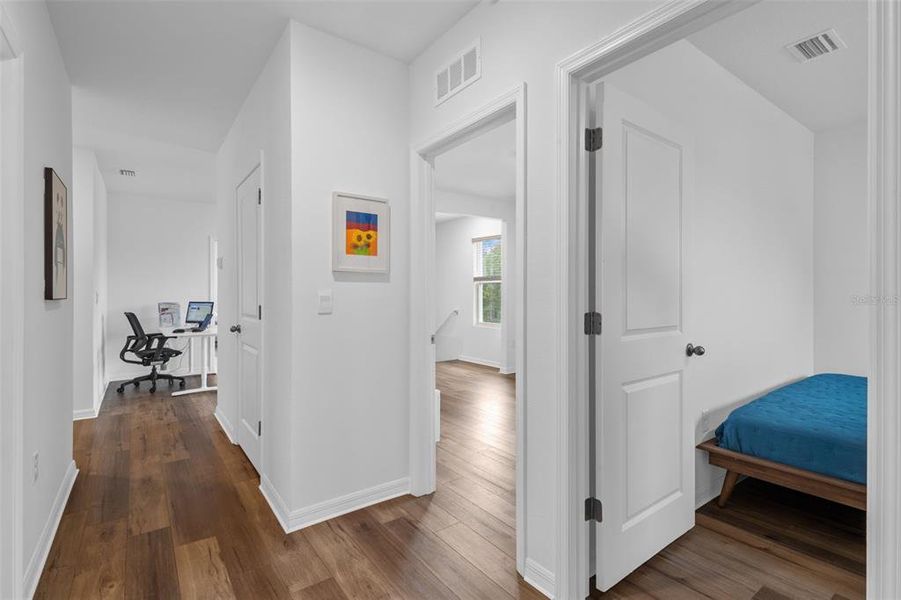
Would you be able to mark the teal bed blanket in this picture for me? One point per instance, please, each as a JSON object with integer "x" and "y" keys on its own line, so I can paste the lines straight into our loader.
{"x": 818, "y": 424}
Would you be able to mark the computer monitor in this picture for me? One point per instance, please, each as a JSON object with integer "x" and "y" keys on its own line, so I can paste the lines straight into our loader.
{"x": 197, "y": 312}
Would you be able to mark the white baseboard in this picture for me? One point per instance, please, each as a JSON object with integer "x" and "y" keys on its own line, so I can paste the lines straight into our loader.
{"x": 539, "y": 578}
{"x": 329, "y": 509}
{"x": 225, "y": 424}
{"x": 705, "y": 495}
{"x": 42, "y": 549}
{"x": 480, "y": 361}
{"x": 84, "y": 413}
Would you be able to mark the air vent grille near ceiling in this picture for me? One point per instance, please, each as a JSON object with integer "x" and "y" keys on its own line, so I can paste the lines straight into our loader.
{"x": 819, "y": 45}
{"x": 127, "y": 173}
{"x": 457, "y": 74}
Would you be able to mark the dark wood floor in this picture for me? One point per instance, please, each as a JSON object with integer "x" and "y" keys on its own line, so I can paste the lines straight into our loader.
{"x": 768, "y": 543}
{"x": 165, "y": 507}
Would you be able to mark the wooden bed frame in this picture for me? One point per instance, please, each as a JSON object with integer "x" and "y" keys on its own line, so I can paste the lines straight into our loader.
{"x": 838, "y": 490}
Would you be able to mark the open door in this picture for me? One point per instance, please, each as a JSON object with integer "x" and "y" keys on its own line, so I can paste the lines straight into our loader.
{"x": 644, "y": 449}
{"x": 249, "y": 327}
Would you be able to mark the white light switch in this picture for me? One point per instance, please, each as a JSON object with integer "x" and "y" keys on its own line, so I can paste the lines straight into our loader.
{"x": 326, "y": 302}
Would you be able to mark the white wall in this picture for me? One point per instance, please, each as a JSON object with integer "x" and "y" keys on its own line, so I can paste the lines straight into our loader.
{"x": 751, "y": 232}
{"x": 351, "y": 383}
{"x": 48, "y": 325}
{"x": 522, "y": 42}
{"x": 261, "y": 129}
{"x": 841, "y": 276}
{"x": 461, "y": 337}
{"x": 158, "y": 252}
{"x": 89, "y": 247}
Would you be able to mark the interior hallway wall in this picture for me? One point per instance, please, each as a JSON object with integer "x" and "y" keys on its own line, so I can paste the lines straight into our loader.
{"x": 750, "y": 280}
{"x": 48, "y": 325}
{"x": 461, "y": 337}
{"x": 350, "y": 368}
{"x": 158, "y": 252}
{"x": 89, "y": 259}
{"x": 521, "y": 43}
{"x": 841, "y": 273}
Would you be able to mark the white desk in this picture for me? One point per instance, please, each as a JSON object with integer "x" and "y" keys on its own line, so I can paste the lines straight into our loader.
{"x": 206, "y": 338}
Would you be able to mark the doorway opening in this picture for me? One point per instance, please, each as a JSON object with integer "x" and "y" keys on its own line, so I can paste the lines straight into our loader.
{"x": 468, "y": 346}
{"x": 667, "y": 184}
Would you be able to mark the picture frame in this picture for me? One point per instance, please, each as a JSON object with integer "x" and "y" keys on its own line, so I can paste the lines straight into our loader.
{"x": 361, "y": 233}
{"x": 56, "y": 236}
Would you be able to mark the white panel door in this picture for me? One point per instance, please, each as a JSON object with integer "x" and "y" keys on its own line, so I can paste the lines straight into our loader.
{"x": 249, "y": 329}
{"x": 645, "y": 449}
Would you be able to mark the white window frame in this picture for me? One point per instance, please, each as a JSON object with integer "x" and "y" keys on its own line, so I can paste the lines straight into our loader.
{"x": 479, "y": 280}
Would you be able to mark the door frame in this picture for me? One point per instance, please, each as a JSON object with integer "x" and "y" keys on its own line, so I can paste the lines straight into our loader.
{"x": 259, "y": 167}
{"x": 423, "y": 434}
{"x": 12, "y": 271}
{"x": 671, "y": 22}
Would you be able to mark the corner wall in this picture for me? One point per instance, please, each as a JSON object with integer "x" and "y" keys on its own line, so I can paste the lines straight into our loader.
{"x": 350, "y": 375}
{"x": 262, "y": 130}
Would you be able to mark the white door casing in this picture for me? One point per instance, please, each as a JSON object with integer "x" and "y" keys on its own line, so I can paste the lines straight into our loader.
{"x": 249, "y": 332}
{"x": 645, "y": 453}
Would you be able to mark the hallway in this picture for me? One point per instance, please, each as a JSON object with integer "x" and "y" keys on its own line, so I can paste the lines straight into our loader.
{"x": 165, "y": 506}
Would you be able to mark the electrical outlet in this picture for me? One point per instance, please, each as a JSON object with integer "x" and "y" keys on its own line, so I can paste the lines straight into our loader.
{"x": 35, "y": 467}
{"x": 705, "y": 420}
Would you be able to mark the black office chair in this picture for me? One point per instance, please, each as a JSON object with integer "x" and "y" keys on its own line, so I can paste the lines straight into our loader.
{"x": 151, "y": 351}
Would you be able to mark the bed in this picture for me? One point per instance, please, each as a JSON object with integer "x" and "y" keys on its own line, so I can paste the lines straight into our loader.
{"x": 810, "y": 436}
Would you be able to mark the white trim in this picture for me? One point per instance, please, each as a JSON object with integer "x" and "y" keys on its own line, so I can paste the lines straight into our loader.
{"x": 225, "y": 424}
{"x": 422, "y": 244}
{"x": 539, "y": 578}
{"x": 45, "y": 541}
{"x": 84, "y": 413}
{"x": 329, "y": 509}
{"x": 480, "y": 361}
{"x": 884, "y": 197}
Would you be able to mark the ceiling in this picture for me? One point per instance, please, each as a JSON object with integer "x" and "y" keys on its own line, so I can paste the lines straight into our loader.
{"x": 179, "y": 71}
{"x": 827, "y": 92}
{"x": 484, "y": 166}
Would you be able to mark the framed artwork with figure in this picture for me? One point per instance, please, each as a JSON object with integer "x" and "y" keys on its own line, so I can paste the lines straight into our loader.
{"x": 56, "y": 236}
{"x": 361, "y": 233}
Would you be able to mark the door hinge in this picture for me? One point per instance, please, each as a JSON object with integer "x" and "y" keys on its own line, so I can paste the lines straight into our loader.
{"x": 259, "y": 428}
{"x": 594, "y": 139}
{"x": 259, "y": 195}
{"x": 594, "y": 510}
{"x": 593, "y": 323}
{"x": 260, "y": 312}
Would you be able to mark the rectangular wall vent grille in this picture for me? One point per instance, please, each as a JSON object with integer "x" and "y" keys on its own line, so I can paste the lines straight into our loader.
{"x": 457, "y": 74}
{"x": 816, "y": 46}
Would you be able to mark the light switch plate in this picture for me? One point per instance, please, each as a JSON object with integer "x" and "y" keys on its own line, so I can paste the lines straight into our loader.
{"x": 326, "y": 302}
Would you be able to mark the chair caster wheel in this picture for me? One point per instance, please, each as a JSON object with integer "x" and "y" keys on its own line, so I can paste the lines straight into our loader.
{"x": 181, "y": 384}
{"x": 153, "y": 389}
{"x": 120, "y": 389}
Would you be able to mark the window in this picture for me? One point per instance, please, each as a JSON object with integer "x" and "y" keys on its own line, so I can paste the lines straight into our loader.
{"x": 486, "y": 278}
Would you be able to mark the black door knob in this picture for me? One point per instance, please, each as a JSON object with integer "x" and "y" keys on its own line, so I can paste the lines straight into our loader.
{"x": 235, "y": 329}
{"x": 692, "y": 350}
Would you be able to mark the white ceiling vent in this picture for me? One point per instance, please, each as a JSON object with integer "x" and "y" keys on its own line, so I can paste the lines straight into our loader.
{"x": 816, "y": 46}
{"x": 127, "y": 173}
{"x": 455, "y": 75}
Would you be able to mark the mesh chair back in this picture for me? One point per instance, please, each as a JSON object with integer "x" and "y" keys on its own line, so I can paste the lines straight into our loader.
{"x": 136, "y": 326}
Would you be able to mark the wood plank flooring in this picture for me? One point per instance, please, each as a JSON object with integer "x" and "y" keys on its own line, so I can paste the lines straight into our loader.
{"x": 768, "y": 543}
{"x": 166, "y": 507}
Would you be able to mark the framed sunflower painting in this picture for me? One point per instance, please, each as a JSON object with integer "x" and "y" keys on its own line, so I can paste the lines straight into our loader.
{"x": 361, "y": 233}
